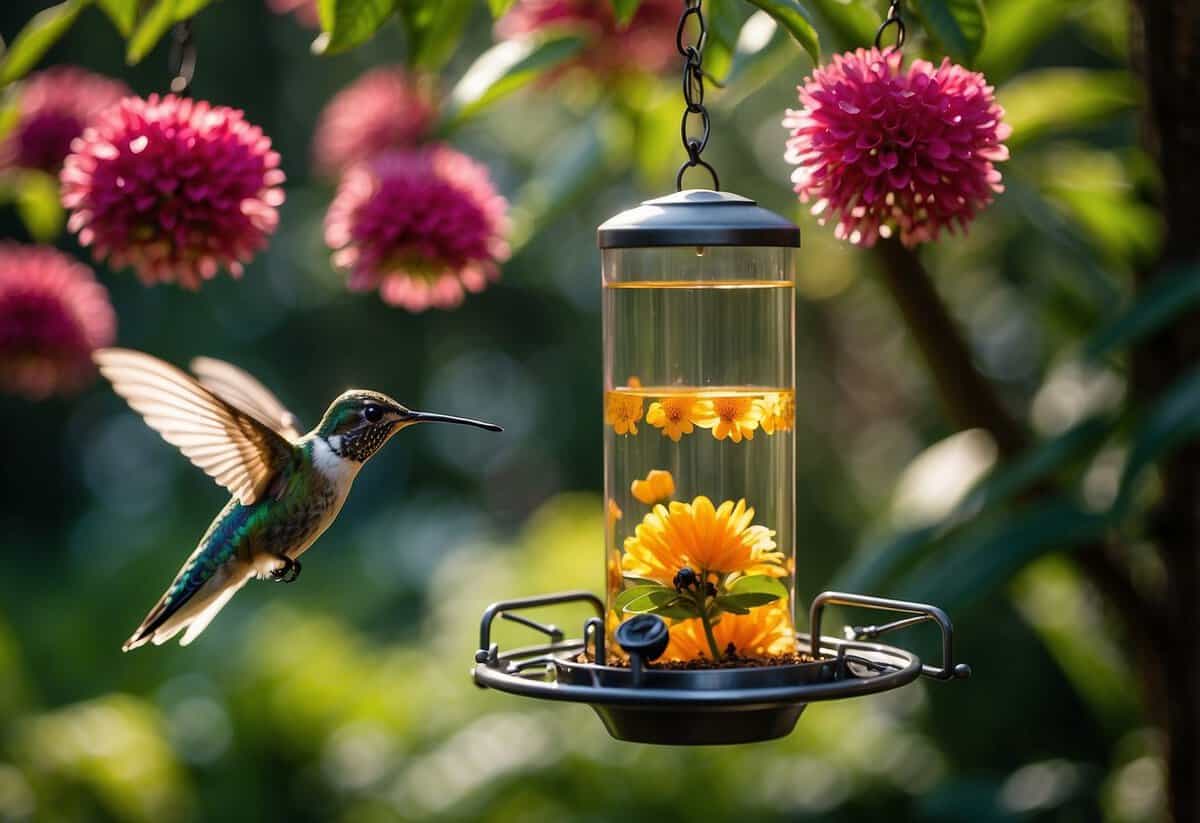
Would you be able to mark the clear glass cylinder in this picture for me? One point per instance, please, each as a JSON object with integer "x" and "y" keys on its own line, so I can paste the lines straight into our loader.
{"x": 699, "y": 451}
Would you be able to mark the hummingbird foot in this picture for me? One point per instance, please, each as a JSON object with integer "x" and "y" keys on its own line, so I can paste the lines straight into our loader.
{"x": 288, "y": 572}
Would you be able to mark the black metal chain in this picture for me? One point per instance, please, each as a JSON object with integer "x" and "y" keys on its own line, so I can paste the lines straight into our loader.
{"x": 893, "y": 19}
{"x": 693, "y": 94}
{"x": 181, "y": 62}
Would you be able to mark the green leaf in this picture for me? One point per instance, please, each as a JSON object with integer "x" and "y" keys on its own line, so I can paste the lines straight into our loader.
{"x": 38, "y": 205}
{"x": 853, "y": 23}
{"x": 434, "y": 28}
{"x": 1169, "y": 295}
{"x": 1174, "y": 420}
{"x": 663, "y": 601}
{"x": 1015, "y": 27}
{"x": 759, "y": 584}
{"x": 150, "y": 29}
{"x": 634, "y": 592}
{"x": 499, "y": 7}
{"x": 1047, "y": 101}
{"x": 502, "y": 70}
{"x": 797, "y": 20}
{"x": 122, "y": 13}
{"x": 958, "y": 26}
{"x": 347, "y": 23}
{"x": 976, "y": 564}
{"x": 625, "y": 10}
{"x": 742, "y": 603}
{"x": 871, "y": 567}
{"x": 32, "y": 42}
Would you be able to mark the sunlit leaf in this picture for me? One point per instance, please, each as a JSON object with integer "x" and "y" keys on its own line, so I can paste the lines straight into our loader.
{"x": 853, "y": 22}
{"x": 749, "y": 600}
{"x": 975, "y": 564}
{"x": 759, "y": 584}
{"x": 41, "y": 32}
{"x": 797, "y": 21}
{"x": 1175, "y": 419}
{"x": 500, "y": 7}
{"x": 636, "y": 592}
{"x": 1015, "y": 27}
{"x": 122, "y": 13}
{"x": 347, "y": 23}
{"x": 150, "y": 29}
{"x": 625, "y": 10}
{"x": 958, "y": 26}
{"x": 1045, "y": 101}
{"x": 501, "y": 70}
{"x": 38, "y": 205}
{"x": 434, "y": 28}
{"x": 1169, "y": 295}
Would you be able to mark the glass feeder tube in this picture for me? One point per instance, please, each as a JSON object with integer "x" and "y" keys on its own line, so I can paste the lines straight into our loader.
{"x": 699, "y": 411}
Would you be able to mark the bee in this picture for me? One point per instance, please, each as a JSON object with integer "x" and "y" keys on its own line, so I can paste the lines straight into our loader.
{"x": 685, "y": 578}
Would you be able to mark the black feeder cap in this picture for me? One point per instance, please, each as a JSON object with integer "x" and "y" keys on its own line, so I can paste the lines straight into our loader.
{"x": 697, "y": 217}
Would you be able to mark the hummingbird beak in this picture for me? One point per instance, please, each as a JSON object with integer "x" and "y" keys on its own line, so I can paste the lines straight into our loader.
{"x": 430, "y": 417}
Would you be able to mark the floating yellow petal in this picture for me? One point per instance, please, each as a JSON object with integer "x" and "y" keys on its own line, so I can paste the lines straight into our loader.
{"x": 658, "y": 485}
{"x": 702, "y": 537}
{"x": 622, "y": 411}
{"x": 778, "y": 412}
{"x": 733, "y": 417}
{"x": 614, "y": 512}
{"x": 766, "y": 631}
{"x": 634, "y": 382}
{"x": 676, "y": 415}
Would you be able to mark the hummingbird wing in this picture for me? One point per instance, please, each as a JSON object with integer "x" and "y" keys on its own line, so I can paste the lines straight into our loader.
{"x": 242, "y": 391}
{"x": 233, "y": 448}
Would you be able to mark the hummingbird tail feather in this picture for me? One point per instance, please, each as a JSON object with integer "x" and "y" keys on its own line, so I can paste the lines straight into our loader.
{"x": 193, "y": 612}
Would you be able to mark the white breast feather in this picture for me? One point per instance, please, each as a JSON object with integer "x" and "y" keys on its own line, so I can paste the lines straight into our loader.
{"x": 339, "y": 470}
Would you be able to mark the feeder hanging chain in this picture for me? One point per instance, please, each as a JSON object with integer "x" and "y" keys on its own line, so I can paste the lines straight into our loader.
{"x": 893, "y": 19}
{"x": 181, "y": 62}
{"x": 693, "y": 93}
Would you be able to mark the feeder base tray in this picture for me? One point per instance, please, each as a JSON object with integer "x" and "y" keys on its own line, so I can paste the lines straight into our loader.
{"x": 688, "y": 707}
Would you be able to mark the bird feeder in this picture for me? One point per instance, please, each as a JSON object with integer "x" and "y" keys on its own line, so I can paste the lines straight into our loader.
{"x": 694, "y": 639}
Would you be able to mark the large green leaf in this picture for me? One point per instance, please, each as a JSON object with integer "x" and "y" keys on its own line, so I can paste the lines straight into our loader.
{"x": 41, "y": 32}
{"x": 1171, "y": 294}
{"x": 434, "y": 28}
{"x": 500, "y": 71}
{"x": 958, "y": 26}
{"x": 1015, "y": 27}
{"x": 853, "y": 23}
{"x": 347, "y": 23}
{"x": 625, "y": 10}
{"x": 1047, "y": 101}
{"x": 981, "y": 560}
{"x": 762, "y": 584}
{"x": 150, "y": 29}
{"x": 797, "y": 20}
{"x": 1174, "y": 420}
{"x": 122, "y": 13}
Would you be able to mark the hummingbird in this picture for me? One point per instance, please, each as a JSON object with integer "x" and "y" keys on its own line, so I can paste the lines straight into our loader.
{"x": 287, "y": 488}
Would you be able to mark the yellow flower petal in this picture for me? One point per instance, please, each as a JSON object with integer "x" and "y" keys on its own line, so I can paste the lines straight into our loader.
{"x": 765, "y": 632}
{"x": 658, "y": 485}
{"x": 675, "y": 415}
{"x": 732, "y": 417}
{"x": 622, "y": 411}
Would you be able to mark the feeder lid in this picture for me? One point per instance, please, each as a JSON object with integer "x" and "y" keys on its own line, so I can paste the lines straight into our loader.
{"x": 697, "y": 217}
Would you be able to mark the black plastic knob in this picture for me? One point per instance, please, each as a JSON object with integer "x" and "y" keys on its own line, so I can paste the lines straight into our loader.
{"x": 645, "y": 636}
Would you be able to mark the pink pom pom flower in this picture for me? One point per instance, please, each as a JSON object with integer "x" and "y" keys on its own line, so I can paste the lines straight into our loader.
{"x": 644, "y": 45}
{"x": 174, "y": 187}
{"x": 53, "y": 107}
{"x": 53, "y": 314}
{"x": 888, "y": 150}
{"x": 384, "y": 109}
{"x": 425, "y": 226}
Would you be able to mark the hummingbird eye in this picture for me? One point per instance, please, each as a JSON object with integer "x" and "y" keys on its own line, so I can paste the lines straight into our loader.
{"x": 373, "y": 413}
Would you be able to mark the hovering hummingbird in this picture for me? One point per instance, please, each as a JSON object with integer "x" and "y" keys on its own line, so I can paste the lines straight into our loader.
{"x": 287, "y": 487}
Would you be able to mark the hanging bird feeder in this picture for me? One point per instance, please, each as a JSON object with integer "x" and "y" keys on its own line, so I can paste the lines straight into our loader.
{"x": 694, "y": 641}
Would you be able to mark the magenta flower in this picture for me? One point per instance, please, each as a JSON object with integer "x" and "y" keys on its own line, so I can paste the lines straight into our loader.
{"x": 53, "y": 314}
{"x": 646, "y": 44}
{"x": 425, "y": 226}
{"x": 889, "y": 150}
{"x": 384, "y": 109}
{"x": 305, "y": 11}
{"x": 53, "y": 107}
{"x": 174, "y": 187}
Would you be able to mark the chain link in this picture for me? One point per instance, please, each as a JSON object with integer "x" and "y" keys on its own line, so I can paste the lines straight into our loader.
{"x": 693, "y": 94}
{"x": 893, "y": 19}
{"x": 181, "y": 62}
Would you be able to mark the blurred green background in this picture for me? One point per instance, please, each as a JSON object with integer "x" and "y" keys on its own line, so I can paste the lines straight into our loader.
{"x": 346, "y": 696}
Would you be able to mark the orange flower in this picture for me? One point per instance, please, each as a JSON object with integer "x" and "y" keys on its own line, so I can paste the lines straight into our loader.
{"x": 622, "y": 411}
{"x": 766, "y": 631}
{"x": 634, "y": 382}
{"x": 778, "y": 412}
{"x": 699, "y": 536}
{"x": 674, "y": 415}
{"x": 658, "y": 485}
{"x": 733, "y": 417}
{"x": 614, "y": 513}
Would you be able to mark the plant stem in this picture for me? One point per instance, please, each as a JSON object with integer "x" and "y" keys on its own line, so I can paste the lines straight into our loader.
{"x": 708, "y": 632}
